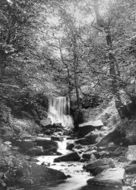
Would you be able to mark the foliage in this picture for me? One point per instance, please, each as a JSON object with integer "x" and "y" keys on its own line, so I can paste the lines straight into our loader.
{"x": 62, "y": 48}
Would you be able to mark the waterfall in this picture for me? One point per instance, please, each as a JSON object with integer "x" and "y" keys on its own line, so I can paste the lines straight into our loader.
{"x": 59, "y": 111}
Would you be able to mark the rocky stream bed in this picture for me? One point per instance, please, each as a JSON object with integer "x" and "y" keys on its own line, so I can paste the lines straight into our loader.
{"x": 79, "y": 162}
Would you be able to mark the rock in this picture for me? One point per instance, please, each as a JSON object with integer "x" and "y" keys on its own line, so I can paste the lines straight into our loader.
{"x": 118, "y": 152}
{"x": 111, "y": 179}
{"x": 70, "y": 146}
{"x": 86, "y": 128}
{"x": 36, "y": 151}
{"x": 24, "y": 145}
{"x": 131, "y": 132}
{"x": 91, "y": 139}
{"x": 98, "y": 166}
{"x": 34, "y": 174}
{"x": 55, "y": 138}
{"x": 30, "y": 145}
{"x": 130, "y": 169}
{"x": 78, "y": 146}
{"x": 97, "y": 124}
{"x": 68, "y": 157}
{"x": 131, "y": 153}
{"x": 45, "y": 122}
{"x": 49, "y": 146}
{"x": 115, "y": 137}
{"x": 86, "y": 156}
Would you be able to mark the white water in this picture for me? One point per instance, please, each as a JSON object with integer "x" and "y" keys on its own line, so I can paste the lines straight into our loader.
{"x": 74, "y": 169}
{"x": 59, "y": 111}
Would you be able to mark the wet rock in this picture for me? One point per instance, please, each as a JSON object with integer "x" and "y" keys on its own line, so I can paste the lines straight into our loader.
{"x": 91, "y": 139}
{"x": 130, "y": 169}
{"x": 36, "y": 151}
{"x": 97, "y": 124}
{"x": 70, "y": 146}
{"x": 30, "y": 145}
{"x": 68, "y": 157}
{"x": 86, "y": 128}
{"x": 86, "y": 156}
{"x": 55, "y": 138}
{"x": 78, "y": 146}
{"x": 58, "y": 153}
{"x": 98, "y": 166}
{"x": 49, "y": 146}
{"x": 111, "y": 179}
{"x": 115, "y": 137}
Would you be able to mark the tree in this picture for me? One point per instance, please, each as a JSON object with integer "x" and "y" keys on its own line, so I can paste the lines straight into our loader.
{"x": 110, "y": 26}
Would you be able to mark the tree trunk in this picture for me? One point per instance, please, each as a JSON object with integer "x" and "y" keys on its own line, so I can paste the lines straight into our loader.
{"x": 3, "y": 58}
{"x": 125, "y": 111}
{"x": 75, "y": 64}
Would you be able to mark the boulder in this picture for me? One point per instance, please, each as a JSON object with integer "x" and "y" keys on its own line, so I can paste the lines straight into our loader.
{"x": 34, "y": 174}
{"x": 87, "y": 127}
{"x": 24, "y": 144}
{"x": 48, "y": 145}
{"x": 111, "y": 179}
{"x": 115, "y": 136}
{"x": 130, "y": 169}
{"x": 91, "y": 139}
{"x": 36, "y": 151}
{"x": 31, "y": 146}
{"x": 84, "y": 130}
{"x": 68, "y": 157}
{"x": 98, "y": 166}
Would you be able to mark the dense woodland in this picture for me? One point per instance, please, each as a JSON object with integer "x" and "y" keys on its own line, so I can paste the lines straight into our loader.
{"x": 84, "y": 50}
{"x": 67, "y": 48}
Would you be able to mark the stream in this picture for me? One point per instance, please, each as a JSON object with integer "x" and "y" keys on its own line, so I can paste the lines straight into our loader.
{"x": 78, "y": 177}
{"x": 59, "y": 112}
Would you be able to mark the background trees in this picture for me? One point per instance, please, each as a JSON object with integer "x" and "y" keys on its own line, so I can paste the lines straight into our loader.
{"x": 68, "y": 48}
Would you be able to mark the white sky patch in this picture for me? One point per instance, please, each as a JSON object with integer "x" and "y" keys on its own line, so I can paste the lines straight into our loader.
{"x": 10, "y": 2}
{"x": 79, "y": 15}
{"x": 82, "y": 13}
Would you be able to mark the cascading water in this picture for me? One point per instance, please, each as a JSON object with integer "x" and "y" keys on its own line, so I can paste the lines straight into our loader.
{"x": 59, "y": 111}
